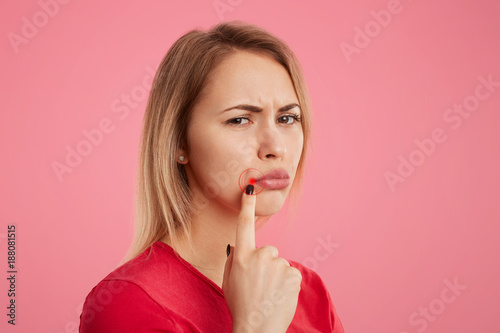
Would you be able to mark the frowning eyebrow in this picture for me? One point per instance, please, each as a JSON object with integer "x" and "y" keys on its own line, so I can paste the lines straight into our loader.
{"x": 254, "y": 108}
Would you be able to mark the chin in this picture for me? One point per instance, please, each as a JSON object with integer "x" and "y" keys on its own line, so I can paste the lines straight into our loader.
{"x": 268, "y": 207}
{"x": 267, "y": 211}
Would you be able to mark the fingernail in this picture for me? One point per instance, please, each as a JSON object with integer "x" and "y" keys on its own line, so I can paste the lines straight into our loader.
{"x": 249, "y": 189}
{"x": 228, "y": 249}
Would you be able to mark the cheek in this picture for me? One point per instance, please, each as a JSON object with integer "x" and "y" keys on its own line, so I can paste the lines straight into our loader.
{"x": 296, "y": 142}
{"x": 214, "y": 158}
{"x": 296, "y": 151}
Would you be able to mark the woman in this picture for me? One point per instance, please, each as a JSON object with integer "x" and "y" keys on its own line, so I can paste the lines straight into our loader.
{"x": 224, "y": 141}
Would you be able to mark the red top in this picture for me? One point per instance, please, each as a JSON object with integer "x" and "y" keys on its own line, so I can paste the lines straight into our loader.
{"x": 167, "y": 294}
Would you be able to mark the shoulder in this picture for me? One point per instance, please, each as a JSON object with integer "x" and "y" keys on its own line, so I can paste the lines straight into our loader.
{"x": 122, "y": 306}
{"x": 315, "y": 306}
{"x": 150, "y": 270}
{"x": 311, "y": 281}
{"x": 140, "y": 266}
{"x": 128, "y": 300}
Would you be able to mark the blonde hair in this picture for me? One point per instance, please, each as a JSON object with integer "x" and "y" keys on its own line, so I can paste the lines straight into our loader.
{"x": 163, "y": 200}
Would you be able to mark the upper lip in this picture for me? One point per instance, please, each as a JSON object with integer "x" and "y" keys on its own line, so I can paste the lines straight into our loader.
{"x": 275, "y": 174}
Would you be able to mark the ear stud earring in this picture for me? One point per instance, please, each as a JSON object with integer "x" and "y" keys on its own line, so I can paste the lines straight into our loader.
{"x": 181, "y": 158}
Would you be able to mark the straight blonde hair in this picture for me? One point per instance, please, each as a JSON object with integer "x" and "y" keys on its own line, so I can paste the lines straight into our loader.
{"x": 164, "y": 203}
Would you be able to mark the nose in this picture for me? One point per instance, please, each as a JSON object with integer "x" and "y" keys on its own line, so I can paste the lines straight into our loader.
{"x": 271, "y": 143}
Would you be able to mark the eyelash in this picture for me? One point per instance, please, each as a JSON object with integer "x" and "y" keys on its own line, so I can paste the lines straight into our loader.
{"x": 294, "y": 116}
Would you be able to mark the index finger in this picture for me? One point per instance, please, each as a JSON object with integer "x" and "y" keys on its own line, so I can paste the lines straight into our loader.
{"x": 245, "y": 228}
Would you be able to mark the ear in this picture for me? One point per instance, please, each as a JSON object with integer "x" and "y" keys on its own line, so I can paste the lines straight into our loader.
{"x": 182, "y": 155}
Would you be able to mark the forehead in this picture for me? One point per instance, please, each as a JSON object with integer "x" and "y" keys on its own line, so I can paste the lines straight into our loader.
{"x": 249, "y": 75}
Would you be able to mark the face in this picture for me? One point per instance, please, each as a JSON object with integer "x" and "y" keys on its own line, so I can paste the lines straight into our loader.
{"x": 265, "y": 135}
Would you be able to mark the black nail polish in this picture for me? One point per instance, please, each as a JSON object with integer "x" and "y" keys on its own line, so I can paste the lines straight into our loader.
{"x": 249, "y": 189}
{"x": 228, "y": 249}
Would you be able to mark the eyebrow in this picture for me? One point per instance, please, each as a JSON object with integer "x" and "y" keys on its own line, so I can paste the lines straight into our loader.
{"x": 254, "y": 108}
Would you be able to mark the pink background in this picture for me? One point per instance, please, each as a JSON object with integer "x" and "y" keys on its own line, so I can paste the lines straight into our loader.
{"x": 395, "y": 249}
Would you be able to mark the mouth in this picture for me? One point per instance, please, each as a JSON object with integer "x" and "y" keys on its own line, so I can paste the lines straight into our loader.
{"x": 273, "y": 184}
{"x": 274, "y": 180}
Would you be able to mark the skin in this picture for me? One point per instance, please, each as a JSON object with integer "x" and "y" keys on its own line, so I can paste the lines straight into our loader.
{"x": 220, "y": 152}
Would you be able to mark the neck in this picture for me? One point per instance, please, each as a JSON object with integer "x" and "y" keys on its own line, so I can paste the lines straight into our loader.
{"x": 213, "y": 227}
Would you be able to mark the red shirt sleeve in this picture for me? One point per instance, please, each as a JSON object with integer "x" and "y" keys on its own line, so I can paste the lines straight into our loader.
{"x": 122, "y": 307}
{"x": 337, "y": 324}
{"x": 315, "y": 310}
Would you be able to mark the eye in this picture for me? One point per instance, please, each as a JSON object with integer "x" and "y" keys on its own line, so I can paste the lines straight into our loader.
{"x": 235, "y": 121}
{"x": 289, "y": 117}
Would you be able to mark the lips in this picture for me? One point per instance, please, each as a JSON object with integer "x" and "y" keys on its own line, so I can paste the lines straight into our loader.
{"x": 275, "y": 179}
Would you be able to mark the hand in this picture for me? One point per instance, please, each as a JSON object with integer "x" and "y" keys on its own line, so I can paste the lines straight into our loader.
{"x": 261, "y": 289}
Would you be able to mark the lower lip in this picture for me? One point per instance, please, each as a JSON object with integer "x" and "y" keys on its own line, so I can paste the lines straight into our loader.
{"x": 273, "y": 184}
